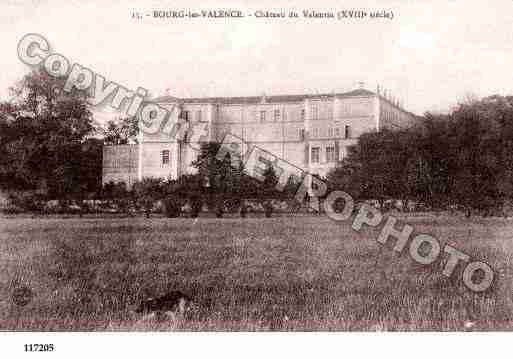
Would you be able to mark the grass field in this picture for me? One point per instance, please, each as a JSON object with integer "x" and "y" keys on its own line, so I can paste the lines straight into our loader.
{"x": 289, "y": 273}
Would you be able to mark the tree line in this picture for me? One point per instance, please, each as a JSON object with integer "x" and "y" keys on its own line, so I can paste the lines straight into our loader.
{"x": 51, "y": 144}
{"x": 459, "y": 160}
{"x": 216, "y": 185}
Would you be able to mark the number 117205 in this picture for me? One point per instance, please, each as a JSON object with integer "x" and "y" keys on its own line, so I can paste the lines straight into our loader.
{"x": 39, "y": 347}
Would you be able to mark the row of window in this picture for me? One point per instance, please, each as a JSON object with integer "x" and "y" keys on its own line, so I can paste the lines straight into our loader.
{"x": 314, "y": 112}
{"x": 187, "y": 115}
{"x": 389, "y": 116}
{"x": 165, "y": 157}
{"x": 331, "y": 156}
{"x": 275, "y": 114}
{"x": 332, "y": 132}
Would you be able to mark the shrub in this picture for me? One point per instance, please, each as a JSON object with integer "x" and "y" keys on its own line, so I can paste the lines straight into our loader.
{"x": 11, "y": 209}
{"x": 29, "y": 202}
{"x": 146, "y": 192}
{"x": 293, "y": 205}
{"x": 268, "y": 208}
{"x": 232, "y": 204}
{"x": 172, "y": 207}
{"x": 196, "y": 206}
{"x": 219, "y": 210}
{"x": 117, "y": 195}
{"x": 243, "y": 210}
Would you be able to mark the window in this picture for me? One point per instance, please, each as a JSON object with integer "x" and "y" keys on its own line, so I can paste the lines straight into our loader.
{"x": 315, "y": 154}
{"x": 262, "y": 116}
{"x": 185, "y": 115}
{"x": 315, "y": 185}
{"x": 330, "y": 154}
{"x": 165, "y": 157}
{"x": 347, "y": 110}
{"x": 198, "y": 115}
{"x": 315, "y": 132}
{"x": 301, "y": 134}
{"x": 337, "y": 132}
{"x": 315, "y": 112}
{"x": 276, "y": 115}
{"x": 303, "y": 113}
{"x": 347, "y": 131}
{"x": 330, "y": 132}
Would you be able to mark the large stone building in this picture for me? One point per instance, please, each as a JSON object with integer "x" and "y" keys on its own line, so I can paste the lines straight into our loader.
{"x": 309, "y": 131}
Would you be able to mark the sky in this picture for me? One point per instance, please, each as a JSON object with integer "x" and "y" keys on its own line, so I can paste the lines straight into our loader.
{"x": 431, "y": 55}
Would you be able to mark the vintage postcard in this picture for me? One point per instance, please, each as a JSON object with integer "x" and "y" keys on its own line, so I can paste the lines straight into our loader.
{"x": 273, "y": 166}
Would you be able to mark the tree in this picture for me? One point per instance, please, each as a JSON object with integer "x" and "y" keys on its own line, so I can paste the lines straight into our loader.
{"x": 267, "y": 191}
{"x": 222, "y": 180}
{"x": 374, "y": 168}
{"x": 460, "y": 159}
{"x": 188, "y": 188}
{"x": 117, "y": 193}
{"x": 146, "y": 192}
{"x": 90, "y": 176}
{"x": 120, "y": 132}
{"x": 43, "y": 129}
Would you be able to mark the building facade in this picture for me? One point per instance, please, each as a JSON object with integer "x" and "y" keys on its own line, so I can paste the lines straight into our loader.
{"x": 311, "y": 132}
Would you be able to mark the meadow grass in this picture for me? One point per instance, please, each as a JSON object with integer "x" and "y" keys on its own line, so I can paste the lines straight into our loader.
{"x": 255, "y": 274}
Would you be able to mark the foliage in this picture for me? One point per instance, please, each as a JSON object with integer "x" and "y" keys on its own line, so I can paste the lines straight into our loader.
{"x": 228, "y": 184}
{"x": 189, "y": 189}
{"x": 196, "y": 206}
{"x": 27, "y": 201}
{"x": 268, "y": 208}
{"x": 120, "y": 132}
{"x": 42, "y": 133}
{"x": 146, "y": 192}
{"x": 172, "y": 206}
{"x": 117, "y": 194}
{"x": 460, "y": 159}
{"x": 220, "y": 177}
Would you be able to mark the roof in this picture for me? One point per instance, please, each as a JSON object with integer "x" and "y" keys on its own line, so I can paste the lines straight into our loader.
{"x": 258, "y": 99}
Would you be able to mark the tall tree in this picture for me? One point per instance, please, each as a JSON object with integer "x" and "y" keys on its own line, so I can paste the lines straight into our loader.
{"x": 219, "y": 176}
{"x": 45, "y": 129}
{"x": 462, "y": 158}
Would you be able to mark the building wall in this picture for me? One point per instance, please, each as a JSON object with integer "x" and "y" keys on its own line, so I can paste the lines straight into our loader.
{"x": 289, "y": 130}
{"x": 392, "y": 117}
{"x": 120, "y": 164}
{"x": 337, "y": 123}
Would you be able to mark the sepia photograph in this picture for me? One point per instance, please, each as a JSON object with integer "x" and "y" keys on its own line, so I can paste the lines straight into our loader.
{"x": 273, "y": 166}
